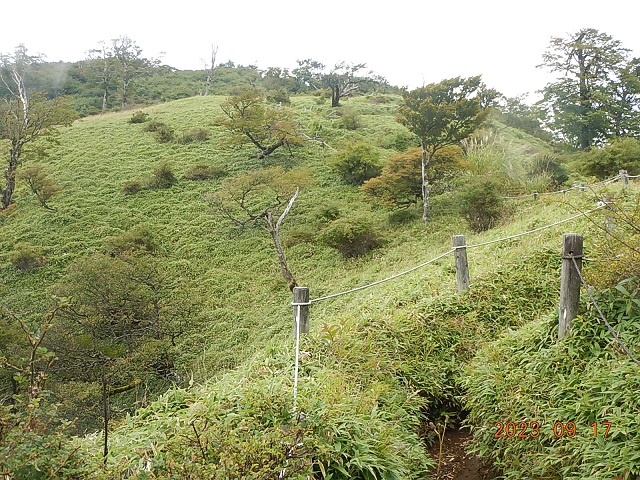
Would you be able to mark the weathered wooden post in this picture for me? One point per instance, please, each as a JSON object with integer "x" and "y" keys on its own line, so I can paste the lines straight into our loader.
{"x": 536, "y": 195}
{"x": 301, "y": 300}
{"x": 581, "y": 187}
{"x": 462, "y": 266}
{"x": 624, "y": 176}
{"x": 569, "y": 282}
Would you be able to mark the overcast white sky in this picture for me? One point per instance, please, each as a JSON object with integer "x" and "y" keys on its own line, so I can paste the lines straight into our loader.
{"x": 409, "y": 42}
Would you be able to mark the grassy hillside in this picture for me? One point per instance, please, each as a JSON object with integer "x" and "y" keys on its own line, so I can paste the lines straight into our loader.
{"x": 378, "y": 364}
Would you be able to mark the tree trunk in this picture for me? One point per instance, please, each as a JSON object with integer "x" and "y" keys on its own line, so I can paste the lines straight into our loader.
{"x": 104, "y": 100}
{"x": 10, "y": 178}
{"x": 105, "y": 418}
{"x": 284, "y": 267}
{"x": 335, "y": 96}
{"x": 426, "y": 208}
{"x": 265, "y": 152}
{"x": 274, "y": 230}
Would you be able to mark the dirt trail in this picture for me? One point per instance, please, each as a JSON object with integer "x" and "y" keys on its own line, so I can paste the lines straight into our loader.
{"x": 456, "y": 464}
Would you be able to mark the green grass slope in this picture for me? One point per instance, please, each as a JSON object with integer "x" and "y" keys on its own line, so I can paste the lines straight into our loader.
{"x": 379, "y": 364}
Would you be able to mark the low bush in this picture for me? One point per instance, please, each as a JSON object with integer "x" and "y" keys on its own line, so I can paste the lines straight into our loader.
{"x": 162, "y": 176}
{"x": 164, "y": 133}
{"x": 353, "y": 237}
{"x": 482, "y": 205}
{"x": 26, "y": 257}
{"x": 139, "y": 238}
{"x": 139, "y": 117}
{"x": 205, "y": 172}
{"x": 132, "y": 186}
{"x": 403, "y": 216}
{"x": 357, "y": 163}
{"x": 195, "y": 135}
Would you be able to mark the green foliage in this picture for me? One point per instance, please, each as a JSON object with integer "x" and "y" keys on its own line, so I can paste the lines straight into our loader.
{"x": 26, "y": 257}
{"x": 350, "y": 119}
{"x": 482, "y": 205}
{"x": 357, "y": 163}
{"x": 162, "y": 176}
{"x": 596, "y": 95}
{"x": 251, "y": 121}
{"x": 195, "y": 135}
{"x": 205, "y": 172}
{"x": 139, "y": 117}
{"x": 40, "y": 184}
{"x": 403, "y": 216}
{"x": 530, "y": 376}
{"x": 605, "y": 162}
{"x": 35, "y": 443}
{"x": 133, "y": 186}
{"x": 351, "y": 236}
{"x": 165, "y": 133}
{"x": 400, "y": 183}
{"x": 549, "y": 166}
{"x": 139, "y": 239}
{"x": 439, "y": 115}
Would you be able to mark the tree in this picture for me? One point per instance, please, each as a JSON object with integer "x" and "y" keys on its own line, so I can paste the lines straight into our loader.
{"x": 261, "y": 197}
{"x": 441, "y": 114}
{"x": 120, "y": 327}
{"x": 250, "y": 120}
{"x": 596, "y": 95}
{"x": 210, "y": 68}
{"x": 130, "y": 65}
{"x": 102, "y": 63}
{"x": 40, "y": 184}
{"x": 25, "y": 116}
{"x": 342, "y": 79}
{"x": 400, "y": 183}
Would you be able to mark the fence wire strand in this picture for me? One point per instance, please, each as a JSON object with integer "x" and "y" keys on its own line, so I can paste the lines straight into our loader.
{"x": 566, "y": 190}
{"x": 595, "y": 304}
{"x": 319, "y": 299}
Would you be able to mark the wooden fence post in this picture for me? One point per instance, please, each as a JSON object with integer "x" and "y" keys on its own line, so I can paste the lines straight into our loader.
{"x": 624, "y": 176}
{"x": 536, "y": 195}
{"x": 569, "y": 282}
{"x": 301, "y": 299}
{"x": 462, "y": 266}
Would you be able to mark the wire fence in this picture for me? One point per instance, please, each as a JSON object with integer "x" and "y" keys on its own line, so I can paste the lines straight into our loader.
{"x": 567, "y": 190}
{"x": 424, "y": 264}
{"x": 613, "y": 333}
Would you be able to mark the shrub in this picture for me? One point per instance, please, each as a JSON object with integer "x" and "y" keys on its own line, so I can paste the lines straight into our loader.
{"x": 353, "y": 237}
{"x": 622, "y": 154}
{"x": 400, "y": 183}
{"x": 403, "y": 216}
{"x": 139, "y": 117}
{"x": 139, "y": 238}
{"x": 482, "y": 205}
{"x": 195, "y": 135}
{"x": 549, "y": 166}
{"x": 357, "y": 163}
{"x": 43, "y": 187}
{"x": 132, "y": 186}
{"x": 27, "y": 257}
{"x": 205, "y": 172}
{"x": 165, "y": 134}
{"x": 163, "y": 176}
{"x": 350, "y": 119}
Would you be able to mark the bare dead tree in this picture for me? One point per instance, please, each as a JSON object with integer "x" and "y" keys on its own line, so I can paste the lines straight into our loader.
{"x": 209, "y": 68}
